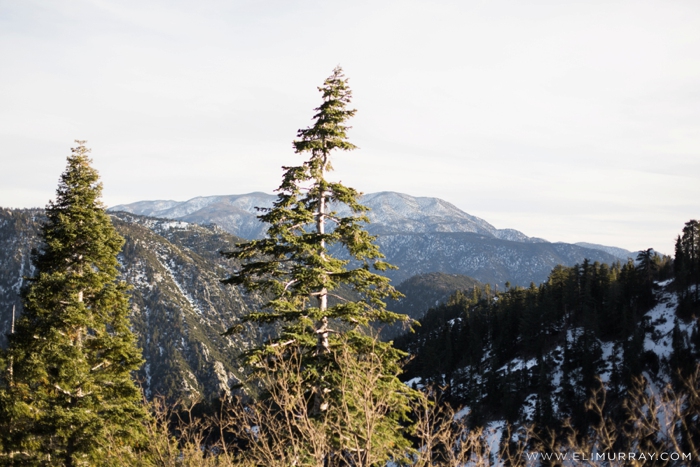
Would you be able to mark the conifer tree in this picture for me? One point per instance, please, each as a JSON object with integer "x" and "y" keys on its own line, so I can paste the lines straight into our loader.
{"x": 297, "y": 267}
{"x": 69, "y": 397}
{"x": 691, "y": 253}
{"x": 680, "y": 269}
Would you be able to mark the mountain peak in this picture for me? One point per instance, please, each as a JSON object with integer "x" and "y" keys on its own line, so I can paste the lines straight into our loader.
{"x": 390, "y": 212}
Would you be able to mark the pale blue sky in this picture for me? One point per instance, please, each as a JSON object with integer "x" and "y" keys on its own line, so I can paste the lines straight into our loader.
{"x": 571, "y": 121}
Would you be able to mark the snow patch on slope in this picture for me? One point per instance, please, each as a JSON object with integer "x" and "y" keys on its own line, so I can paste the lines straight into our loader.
{"x": 166, "y": 265}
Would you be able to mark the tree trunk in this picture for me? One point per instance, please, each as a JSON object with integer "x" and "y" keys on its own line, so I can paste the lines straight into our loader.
{"x": 321, "y": 331}
{"x": 322, "y": 344}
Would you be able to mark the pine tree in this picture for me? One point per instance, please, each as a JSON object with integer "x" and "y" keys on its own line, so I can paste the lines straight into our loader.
{"x": 296, "y": 266}
{"x": 680, "y": 269}
{"x": 69, "y": 397}
{"x": 691, "y": 250}
{"x": 681, "y": 362}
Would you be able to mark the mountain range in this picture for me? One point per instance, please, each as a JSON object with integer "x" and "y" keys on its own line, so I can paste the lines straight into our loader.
{"x": 418, "y": 234}
{"x": 390, "y": 212}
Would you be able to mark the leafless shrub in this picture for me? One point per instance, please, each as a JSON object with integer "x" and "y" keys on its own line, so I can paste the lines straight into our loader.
{"x": 280, "y": 430}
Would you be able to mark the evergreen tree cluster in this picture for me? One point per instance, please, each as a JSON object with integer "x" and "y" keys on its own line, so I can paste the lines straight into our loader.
{"x": 468, "y": 345}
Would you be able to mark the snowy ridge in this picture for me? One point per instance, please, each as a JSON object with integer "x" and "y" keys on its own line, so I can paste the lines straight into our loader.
{"x": 389, "y": 212}
{"x": 237, "y": 204}
{"x": 418, "y": 234}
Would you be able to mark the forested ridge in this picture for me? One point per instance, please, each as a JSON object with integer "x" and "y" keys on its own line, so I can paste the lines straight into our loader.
{"x": 537, "y": 354}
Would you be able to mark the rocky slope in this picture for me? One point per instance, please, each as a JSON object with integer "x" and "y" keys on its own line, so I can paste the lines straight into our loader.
{"x": 19, "y": 229}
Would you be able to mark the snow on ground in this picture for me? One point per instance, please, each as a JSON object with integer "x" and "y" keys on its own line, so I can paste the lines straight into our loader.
{"x": 137, "y": 275}
{"x": 662, "y": 318}
{"x": 529, "y": 406}
{"x": 175, "y": 225}
{"x": 493, "y": 433}
{"x": 607, "y": 348}
{"x": 415, "y": 382}
{"x": 558, "y": 358}
{"x": 461, "y": 413}
{"x": 518, "y": 364}
{"x": 17, "y": 287}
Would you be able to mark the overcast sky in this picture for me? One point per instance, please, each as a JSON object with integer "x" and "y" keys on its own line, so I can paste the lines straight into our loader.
{"x": 567, "y": 120}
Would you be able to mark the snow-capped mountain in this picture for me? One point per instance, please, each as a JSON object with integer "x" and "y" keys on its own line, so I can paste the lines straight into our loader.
{"x": 390, "y": 212}
{"x": 418, "y": 234}
{"x": 237, "y": 214}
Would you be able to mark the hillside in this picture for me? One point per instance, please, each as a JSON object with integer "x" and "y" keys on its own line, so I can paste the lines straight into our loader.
{"x": 487, "y": 259}
{"x": 428, "y": 290}
{"x": 423, "y": 292}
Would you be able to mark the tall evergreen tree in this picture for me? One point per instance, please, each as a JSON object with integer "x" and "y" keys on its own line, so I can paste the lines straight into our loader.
{"x": 296, "y": 266}
{"x": 691, "y": 253}
{"x": 68, "y": 397}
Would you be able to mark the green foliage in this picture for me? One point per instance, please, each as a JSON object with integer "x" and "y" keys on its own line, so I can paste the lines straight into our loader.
{"x": 68, "y": 392}
{"x": 295, "y": 268}
{"x": 292, "y": 263}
